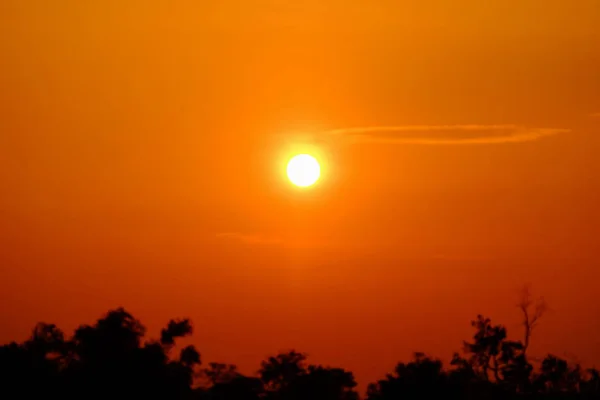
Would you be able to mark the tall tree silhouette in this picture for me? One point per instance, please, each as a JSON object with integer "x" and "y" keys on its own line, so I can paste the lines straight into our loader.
{"x": 104, "y": 360}
{"x": 532, "y": 311}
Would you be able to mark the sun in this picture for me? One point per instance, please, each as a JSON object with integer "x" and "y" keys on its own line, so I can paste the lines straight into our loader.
{"x": 303, "y": 170}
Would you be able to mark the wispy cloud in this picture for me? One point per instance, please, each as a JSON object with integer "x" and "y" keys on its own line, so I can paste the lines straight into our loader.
{"x": 250, "y": 238}
{"x": 444, "y": 134}
{"x": 595, "y": 115}
{"x": 258, "y": 239}
{"x": 458, "y": 257}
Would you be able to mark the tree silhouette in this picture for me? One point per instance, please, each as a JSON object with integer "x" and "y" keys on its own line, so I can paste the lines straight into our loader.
{"x": 321, "y": 383}
{"x": 104, "y": 360}
{"x": 421, "y": 377}
{"x": 218, "y": 373}
{"x": 493, "y": 357}
{"x": 112, "y": 359}
{"x": 531, "y": 316}
{"x": 237, "y": 387}
{"x": 280, "y": 371}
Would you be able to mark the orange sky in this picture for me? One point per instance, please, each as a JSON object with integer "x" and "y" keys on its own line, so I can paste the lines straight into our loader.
{"x": 140, "y": 165}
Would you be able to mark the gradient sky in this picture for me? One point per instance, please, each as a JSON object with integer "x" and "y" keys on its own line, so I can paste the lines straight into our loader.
{"x": 141, "y": 148}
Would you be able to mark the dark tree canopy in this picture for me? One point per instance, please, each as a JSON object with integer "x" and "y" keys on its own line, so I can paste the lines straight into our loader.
{"x": 113, "y": 359}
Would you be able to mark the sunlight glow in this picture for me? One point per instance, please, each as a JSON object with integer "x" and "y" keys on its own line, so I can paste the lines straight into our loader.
{"x": 303, "y": 170}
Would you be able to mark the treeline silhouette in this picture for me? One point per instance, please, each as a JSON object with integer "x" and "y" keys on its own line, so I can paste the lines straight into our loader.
{"x": 112, "y": 360}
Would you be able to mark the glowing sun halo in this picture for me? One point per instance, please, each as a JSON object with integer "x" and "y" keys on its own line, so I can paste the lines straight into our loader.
{"x": 303, "y": 170}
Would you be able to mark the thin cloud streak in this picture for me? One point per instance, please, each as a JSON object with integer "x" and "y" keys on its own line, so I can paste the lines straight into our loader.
{"x": 250, "y": 238}
{"x": 256, "y": 239}
{"x": 417, "y": 134}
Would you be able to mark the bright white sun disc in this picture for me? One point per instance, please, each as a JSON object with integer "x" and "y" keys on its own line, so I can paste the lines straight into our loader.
{"x": 303, "y": 170}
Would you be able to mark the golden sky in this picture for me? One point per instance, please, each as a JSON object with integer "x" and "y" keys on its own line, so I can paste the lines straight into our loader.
{"x": 141, "y": 148}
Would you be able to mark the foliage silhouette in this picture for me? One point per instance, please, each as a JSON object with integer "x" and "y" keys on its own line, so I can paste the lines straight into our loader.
{"x": 113, "y": 359}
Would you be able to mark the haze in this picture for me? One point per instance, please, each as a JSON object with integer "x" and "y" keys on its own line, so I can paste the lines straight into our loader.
{"x": 139, "y": 151}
